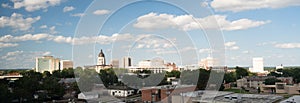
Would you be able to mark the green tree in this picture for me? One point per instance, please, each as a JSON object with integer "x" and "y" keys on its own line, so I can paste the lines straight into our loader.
{"x": 5, "y": 95}
{"x": 230, "y": 77}
{"x": 25, "y": 87}
{"x": 46, "y": 74}
{"x": 173, "y": 73}
{"x": 55, "y": 90}
{"x": 271, "y": 81}
{"x": 56, "y": 74}
{"x": 241, "y": 72}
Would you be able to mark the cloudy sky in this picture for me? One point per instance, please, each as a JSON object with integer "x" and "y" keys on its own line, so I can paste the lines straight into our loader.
{"x": 172, "y": 30}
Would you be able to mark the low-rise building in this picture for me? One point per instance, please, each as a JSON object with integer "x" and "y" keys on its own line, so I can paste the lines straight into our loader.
{"x": 222, "y": 97}
{"x": 164, "y": 93}
{"x": 120, "y": 91}
{"x": 252, "y": 81}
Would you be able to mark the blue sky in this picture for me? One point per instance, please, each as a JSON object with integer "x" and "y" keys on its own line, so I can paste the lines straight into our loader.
{"x": 70, "y": 29}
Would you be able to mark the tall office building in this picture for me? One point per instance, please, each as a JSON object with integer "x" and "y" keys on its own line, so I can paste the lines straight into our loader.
{"x": 66, "y": 64}
{"x": 126, "y": 62}
{"x": 115, "y": 63}
{"x": 258, "y": 65}
{"x": 46, "y": 63}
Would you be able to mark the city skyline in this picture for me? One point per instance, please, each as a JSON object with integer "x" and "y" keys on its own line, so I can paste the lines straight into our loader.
{"x": 30, "y": 30}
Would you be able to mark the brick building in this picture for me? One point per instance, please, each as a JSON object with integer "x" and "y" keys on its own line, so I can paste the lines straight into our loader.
{"x": 161, "y": 93}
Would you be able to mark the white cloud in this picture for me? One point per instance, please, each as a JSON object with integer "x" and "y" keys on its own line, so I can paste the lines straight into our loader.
{"x": 18, "y": 22}
{"x": 243, "y": 5}
{"x": 20, "y": 59}
{"x": 101, "y": 12}
{"x": 231, "y": 46}
{"x": 234, "y": 48}
{"x": 52, "y": 30}
{"x": 206, "y": 50}
{"x": 10, "y": 54}
{"x": 26, "y": 37}
{"x": 267, "y": 43}
{"x": 43, "y": 26}
{"x": 287, "y": 45}
{"x": 6, "y": 5}
{"x": 78, "y": 15}
{"x": 33, "y": 5}
{"x": 68, "y": 8}
{"x": 47, "y": 53}
{"x": 148, "y": 41}
{"x": 6, "y": 45}
{"x": 188, "y": 22}
{"x": 246, "y": 52}
{"x": 101, "y": 39}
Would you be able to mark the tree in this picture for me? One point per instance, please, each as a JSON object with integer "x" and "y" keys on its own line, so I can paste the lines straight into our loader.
{"x": 56, "y": 74}
{"x": 241, "y": 72}
{"x": 26, "y": 86}
{"x": 173, "y": 73}
{"x": 46, "y": 74}
{"x": 67, "y": 73}
{"x": 5, "y": 95}
{"x": 55, "y": 90}
{"x": 271, "y": 81}
{"x": 229, "y": 77}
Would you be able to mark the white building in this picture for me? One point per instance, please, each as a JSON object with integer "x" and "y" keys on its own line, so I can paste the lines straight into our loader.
{"x": 46, "y": 63}
{"x": 115, "y": 63}
{"x": 258, "y": 65}
{"x": 65, "y": 64}
{"x": 206, "y": 63}
{"x": 120, "y": 91}
{"x": 88, "y": 95}
{"x": 101, "y": 62}
{"x": 101, "y": 58}
{"x": 126, "y": 62}
{"x": 154, "y": 65}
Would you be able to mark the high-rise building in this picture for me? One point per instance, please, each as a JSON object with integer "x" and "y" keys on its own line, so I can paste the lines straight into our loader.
{"x": 258, "y": 65}
{"x": 126, "y": 62}
{"x": 66, "y": 64}
{"x": 46, "y": 63}
{"x": 115, "y": 63}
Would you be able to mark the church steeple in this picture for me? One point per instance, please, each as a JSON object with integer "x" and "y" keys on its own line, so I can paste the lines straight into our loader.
{"x": 101, "y": 58}
{"x": 101, "y": 54}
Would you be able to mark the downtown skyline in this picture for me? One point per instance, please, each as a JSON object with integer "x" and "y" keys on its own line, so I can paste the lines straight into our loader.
{"x": 250, "y": 29}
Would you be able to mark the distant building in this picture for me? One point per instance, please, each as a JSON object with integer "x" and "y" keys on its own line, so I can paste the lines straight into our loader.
{"x": 279, "y": 67}
{"x": 101, "y": 62}
{"x": 101, "y": 58}
{"x": 126, "y": 62}
{"x": 258, "y": 65}
{"x": 114, "y": 63}
{"x": 120, "y": 91}
{"x": 154, "y": 65}
{"x": 46, "y": 63}
{"x": 171, "y": 67}
{"x": 164, "y": 93}
{"x": 252, "y": 81}
{"x": 66, "y": 64}
{"x": 222, "y": 97}
{"x": 206, "y": 63}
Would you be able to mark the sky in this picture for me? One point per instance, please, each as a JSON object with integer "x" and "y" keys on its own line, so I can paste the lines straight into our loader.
{"x": 176, "y": 31}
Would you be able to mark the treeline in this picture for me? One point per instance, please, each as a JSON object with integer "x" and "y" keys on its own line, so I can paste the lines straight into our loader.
{"x": 287, "y": 72}
{"x": 35, "y": 86}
